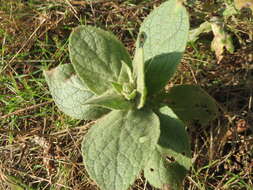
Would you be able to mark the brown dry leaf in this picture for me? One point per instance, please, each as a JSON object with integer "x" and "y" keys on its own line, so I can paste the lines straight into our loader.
{"x": 221, "y": 40}
{"x": 241, "y": 126}
{"x": 194, "y": 34}
{"x": 239, "y": 4}
{"x": 47, "y": 153}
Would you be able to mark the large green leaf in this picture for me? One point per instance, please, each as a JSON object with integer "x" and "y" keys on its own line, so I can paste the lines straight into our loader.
{"x": 70, "y": 93}
{"x": 111, "y": 101}
{"x": 118, "y": 146}
{"x": 171, "y": 159}
{"x": 191, "y": 104}
{"x": 166, "y": 33}
{"x": 97, "y": 57}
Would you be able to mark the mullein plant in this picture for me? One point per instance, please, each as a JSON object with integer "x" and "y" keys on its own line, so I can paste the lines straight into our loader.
{"x": 140, "y": 127}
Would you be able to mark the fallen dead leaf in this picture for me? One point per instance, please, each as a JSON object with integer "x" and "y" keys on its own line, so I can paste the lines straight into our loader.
{"x": 221, "y": 39}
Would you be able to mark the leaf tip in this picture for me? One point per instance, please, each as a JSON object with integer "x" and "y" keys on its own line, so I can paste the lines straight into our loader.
{"x": 180, "y": 2}
{"x": 49, "y": 73}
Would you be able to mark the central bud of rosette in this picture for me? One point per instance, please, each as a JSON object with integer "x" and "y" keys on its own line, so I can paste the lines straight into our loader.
{"x": 129, "y": 91}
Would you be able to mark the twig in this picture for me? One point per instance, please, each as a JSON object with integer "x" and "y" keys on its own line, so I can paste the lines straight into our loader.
{"x": 194, "y": 182}
{"x": 84, "y": 127}
{"x": 82, "y": 3}
{"x": 192, "y": 72}
{"x": 29, "y": 61}
{"x": 25, "y": 109}
{"x": 88, "y": 2}
{"x": 39, "y": 178}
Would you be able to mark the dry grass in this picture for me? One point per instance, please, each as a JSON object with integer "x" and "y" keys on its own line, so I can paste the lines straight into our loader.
{"x": 40, "y": 146}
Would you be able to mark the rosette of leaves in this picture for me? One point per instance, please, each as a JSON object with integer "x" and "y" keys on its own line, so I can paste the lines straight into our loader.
{"x": 143, "y": 127}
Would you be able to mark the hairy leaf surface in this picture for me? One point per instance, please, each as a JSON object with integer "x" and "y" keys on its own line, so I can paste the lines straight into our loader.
{"x": 119, "y": 146}
{"x": 191, "y": 104}
{"x": 165, "y": 35}
{"x": 97, "y": 57}
{"x": 70, "y": 93}
{"x": 171, "y": 159}
{"x": 111, "y": 101}
{"x": 139, "y": 71}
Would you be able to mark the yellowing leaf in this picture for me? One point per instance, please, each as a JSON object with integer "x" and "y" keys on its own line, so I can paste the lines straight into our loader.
{"x": 221, "y": 40}
{"x": 203, "y": 28}
{"x": 70, "y": 93}
{"x": 239, "y": 4}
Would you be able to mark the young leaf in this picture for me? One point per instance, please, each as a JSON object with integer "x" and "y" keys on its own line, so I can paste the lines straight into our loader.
{"x": 171, "y": 160}
{"x": 118, "y": 146}
{"x": 229, "y": 11}
{"x": 69, "y": 93}
{"x": 117, "y": 87}
{"x": 191, "y": 104}
{"x": 125, "y": 73}
{"x": 166, "y": 33}
{"x": 139, "y": 72}
{"x": 129, "y": 91}
{"x": 97, "y": 57}
{"x": 111, "y": 101}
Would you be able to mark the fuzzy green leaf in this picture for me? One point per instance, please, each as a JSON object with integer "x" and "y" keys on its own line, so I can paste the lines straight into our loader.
{"x": 111, "y": 101}
{"x": 118, "y": 147}
{"x": 97, "y": 57}
{"x": 171, "y": 160}
{"x": 191, "y": 104}
{"x": 117, "y": 87}
{"x": 139, "y": 71}
{"x": 125, "y": 73}
{"x": 70, "y": 93}
{"x": 166, "y": 32}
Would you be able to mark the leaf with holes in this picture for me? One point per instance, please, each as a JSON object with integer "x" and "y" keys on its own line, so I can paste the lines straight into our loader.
{"x": 191, "y": 104}
{"x": 171, "y": 159}
{"x": 135, "y": 134}
{"x": 118, "y": 146}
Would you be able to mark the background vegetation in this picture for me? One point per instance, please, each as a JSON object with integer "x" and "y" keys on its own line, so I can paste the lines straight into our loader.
{"x": 40, "y": 146}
